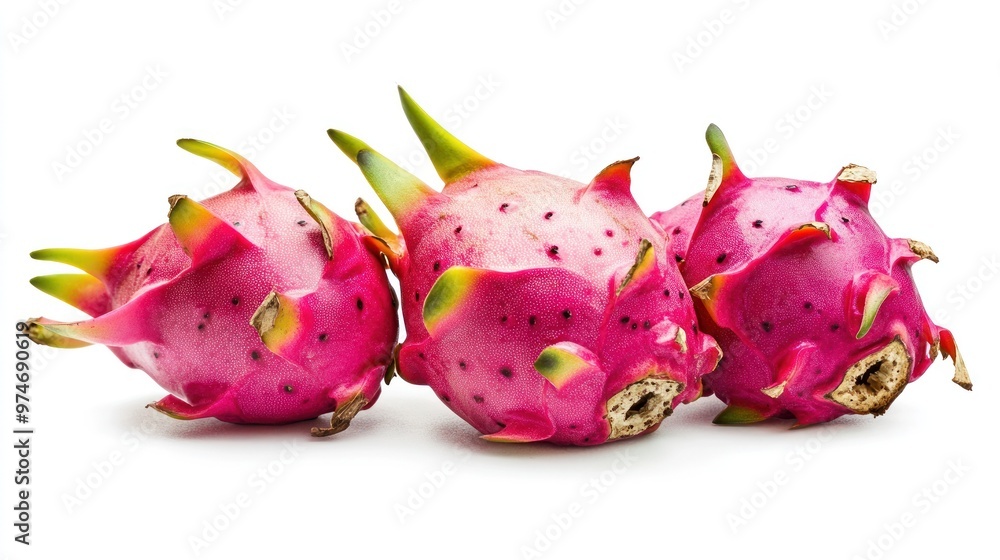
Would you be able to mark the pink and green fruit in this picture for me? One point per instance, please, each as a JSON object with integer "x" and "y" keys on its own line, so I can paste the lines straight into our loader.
{"x": 258, "y": 305}
{"x": 536, "y": 307}
{"x": 814, "y": 306}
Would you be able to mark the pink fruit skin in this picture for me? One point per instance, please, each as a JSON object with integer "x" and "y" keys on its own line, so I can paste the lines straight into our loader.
{"x": 526, "y": 261}
{"x": 481, "y": 364}
{"x": 185, "y": 319}
{"x": 786, "y": 303}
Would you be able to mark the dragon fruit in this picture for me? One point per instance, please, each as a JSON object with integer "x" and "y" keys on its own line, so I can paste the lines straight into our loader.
{"x": 537, "y": 308}
{"x": 814, "y": 306}
{"x": 258, "y": 305}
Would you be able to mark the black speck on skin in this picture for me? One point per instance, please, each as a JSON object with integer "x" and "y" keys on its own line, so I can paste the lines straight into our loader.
{"x": 201, "y": 326}
{"x": 437, "y": 266}
{"x": 646, "y": 325}
{"x": 322, "y": 337}
{"x": 677, "y": 230}
{"x": 766, "y": 326}
{"x": 554, "y": 251}
{"x": 532, "y": 320}
{"x": 235, "y": 301}
{"x": 302, "y": 222}
{"x": 598, "y": 251}
{"x": 255, "y": 355}
{"x": 288, "y": 388}
{"x": 721, "y": 258}
{"x": 758, "y": 223}
{"x": 609, "y": 233}
{"x": 666, "y": 293}
{"x": 503, "y": 319}
{"x": 624, "y": 320}
{"x": 635, "y": 326}
{"x": 548, "y": 215}
{"x": 416, "y": 296}
{"x": 458, "y": 230}
{"x": 360, "y": 304}
{"x": 149, "y": 271}
{"x": 237, "y": 224}
{"x": 445, "y": 397}
{"x": 807, "y": 305}
{"x": 478, "y": 399}
{"x": 567, "y": 314}
{"x": 156, "y": 355}
{"x": 205, "y": 316}
{"x": 678, "y": 258}
{"x": 791, "y": 187}
{"x": 834, "y": 327}
{"x": 504, "y": 206}
{"x": 506, "y": 372}
{"x": 845, "y": 219}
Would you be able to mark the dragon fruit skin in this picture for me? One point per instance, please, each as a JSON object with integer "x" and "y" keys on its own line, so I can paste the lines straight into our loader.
{"x": 536, "y": 307}
{"x": 814, "y": 306}
{"x": 258, "y": 305}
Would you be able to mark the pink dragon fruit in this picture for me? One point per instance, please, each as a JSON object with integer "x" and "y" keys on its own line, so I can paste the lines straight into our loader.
{"x": 813, "y": 305}
{"x": 537, "y": 308}
{"x": 257, "y": 306}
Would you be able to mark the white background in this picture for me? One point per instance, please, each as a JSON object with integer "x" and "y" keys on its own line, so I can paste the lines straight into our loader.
{"x": 563, "y": 93}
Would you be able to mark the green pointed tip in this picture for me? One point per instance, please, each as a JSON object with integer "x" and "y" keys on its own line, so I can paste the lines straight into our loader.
{"x": 559, "y": 365}
{"x": 720, "y": 146}
{"x": 372, "y": 221}
{"x": 873, "y": 301}
{"x": 399, "y": 190}
{"x": 451, "y": 157}
{"x": 95, "y": 262}
{"x": 82, "y": 291}
{"x": 235, "y": 163}
{"x": 734, "y": 415}
{"x": 447, "y": 294}
{"x": 347, "y": 143}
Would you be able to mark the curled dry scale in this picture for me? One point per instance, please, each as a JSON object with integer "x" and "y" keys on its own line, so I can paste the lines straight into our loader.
{"x": 536, "y": 308}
